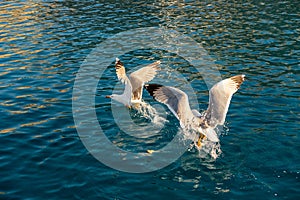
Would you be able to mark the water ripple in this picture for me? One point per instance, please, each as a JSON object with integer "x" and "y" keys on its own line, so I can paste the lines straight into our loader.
{"x": 43, "y": 44}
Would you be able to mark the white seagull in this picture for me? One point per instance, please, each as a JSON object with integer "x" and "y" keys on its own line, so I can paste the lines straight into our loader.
{"x": 219, "y": 99}
{"x": 134, "y": 84}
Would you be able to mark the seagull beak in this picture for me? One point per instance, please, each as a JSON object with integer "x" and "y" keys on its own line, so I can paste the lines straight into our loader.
{"x": 108, "y": 96}
{"x": 129, "y": 107}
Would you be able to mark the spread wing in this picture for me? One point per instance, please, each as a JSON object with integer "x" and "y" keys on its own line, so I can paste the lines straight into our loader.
{"x": 141, "y": 76}
{"x": 176, "y": 100}
{"x": 120, "y": 71}
{"x": 219, "y": 99}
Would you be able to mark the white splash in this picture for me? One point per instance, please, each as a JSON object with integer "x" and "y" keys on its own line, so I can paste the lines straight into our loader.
{"x": 157, "y": 115}
{"x": 207, "y": 148}
{"x": 152, "y": 114}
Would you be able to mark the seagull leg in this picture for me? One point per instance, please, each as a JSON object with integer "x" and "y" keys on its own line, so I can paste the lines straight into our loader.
{"x": 136, "y": 105}
{"x": 201, "y": 137}
{"x": 199, "y": 142}
{"x": 128, "y": 106}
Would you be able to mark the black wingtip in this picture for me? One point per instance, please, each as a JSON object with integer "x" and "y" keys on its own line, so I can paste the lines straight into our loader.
{"x": 151, "y": 88}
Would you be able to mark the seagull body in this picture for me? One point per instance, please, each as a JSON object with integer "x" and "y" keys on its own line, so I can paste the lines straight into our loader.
{"x": 219, "y": 99}
{"x": 134, "y": 84}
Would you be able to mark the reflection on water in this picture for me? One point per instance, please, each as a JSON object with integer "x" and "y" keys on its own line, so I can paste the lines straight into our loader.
{"x": 42, "y": 45}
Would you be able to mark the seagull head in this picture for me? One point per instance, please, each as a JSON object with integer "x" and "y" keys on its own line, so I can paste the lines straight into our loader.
{"x": 113, "y": 96}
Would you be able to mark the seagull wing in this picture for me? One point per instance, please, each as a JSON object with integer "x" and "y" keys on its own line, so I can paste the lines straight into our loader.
{"x": 120, "y": 71}
{"x": 141, "y": 76}
{"x": 125, "y": 98}
{"x": 176, "y": 100}
{"x": 219, "y": 99}
{"x": 127, "y": 92}
{"x": 196, "y": 113}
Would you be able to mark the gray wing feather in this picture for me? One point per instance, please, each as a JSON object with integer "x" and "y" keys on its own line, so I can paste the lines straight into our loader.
{"x": 127, "y": 91}
{"x": 177, "y": 101}
{"x": 219, "y": 99}
{"x": 196, "y": 113}
{"x": 141, "y": 76}
{"x": 146, "y": 74}
{"x": 120, "y": 71}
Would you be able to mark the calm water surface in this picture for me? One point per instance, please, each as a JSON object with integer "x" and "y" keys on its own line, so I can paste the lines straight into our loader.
{"x": 43, "y": 44}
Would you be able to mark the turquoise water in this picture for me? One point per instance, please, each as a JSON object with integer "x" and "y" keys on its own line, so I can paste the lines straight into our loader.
{"x": 44, "y": 43}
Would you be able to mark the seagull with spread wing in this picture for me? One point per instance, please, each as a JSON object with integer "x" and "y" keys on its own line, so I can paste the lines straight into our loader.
{"x": 134, "y": 84}
{"x": 219, "y": 99}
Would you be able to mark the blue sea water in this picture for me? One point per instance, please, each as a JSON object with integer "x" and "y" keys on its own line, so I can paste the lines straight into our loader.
{"x": 43, "y": 44}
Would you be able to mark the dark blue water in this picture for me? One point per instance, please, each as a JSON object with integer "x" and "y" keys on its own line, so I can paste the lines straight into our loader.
{"x": 44, "y": 43}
